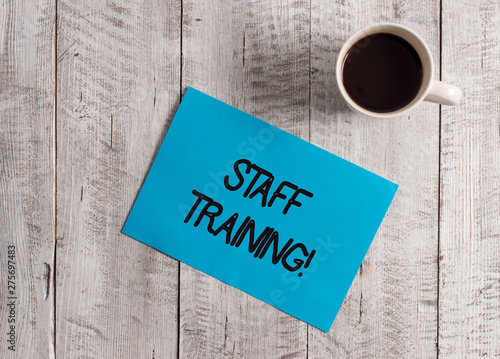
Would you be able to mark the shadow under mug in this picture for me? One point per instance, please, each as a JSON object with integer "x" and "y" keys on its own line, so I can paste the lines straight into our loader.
{"x": 430, "y": 89}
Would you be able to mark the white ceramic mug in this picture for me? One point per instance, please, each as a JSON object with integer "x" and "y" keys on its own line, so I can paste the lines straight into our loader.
{"x": 430, "y": 89}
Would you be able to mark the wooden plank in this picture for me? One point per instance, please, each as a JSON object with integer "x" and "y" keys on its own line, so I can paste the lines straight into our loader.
{"x": 469, "y": 299}
{"x": 253, "y": 55}
{"x": 26, "y": 177}
{"x": 118, "y": 87}
{"x": 391, "y": 308}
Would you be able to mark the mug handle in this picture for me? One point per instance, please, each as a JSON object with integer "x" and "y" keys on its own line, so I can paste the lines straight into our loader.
{"x": 443, "y": 93}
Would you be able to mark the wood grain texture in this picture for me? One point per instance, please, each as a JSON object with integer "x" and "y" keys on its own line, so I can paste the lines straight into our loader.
{"x": 118, "y": 86}
{"x": 469, "y": 292}
{"x": 253, "y": 55}
{"x": 73, "y": 159}
{"x": 27, "y": 174}
{"x": 391, "y": 308}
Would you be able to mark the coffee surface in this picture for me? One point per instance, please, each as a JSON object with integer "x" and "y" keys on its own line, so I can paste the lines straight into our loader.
{"x": 382, "y": 73}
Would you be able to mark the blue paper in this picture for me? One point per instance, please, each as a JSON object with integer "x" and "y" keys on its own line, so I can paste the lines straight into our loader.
{"x": 323, "y": 215}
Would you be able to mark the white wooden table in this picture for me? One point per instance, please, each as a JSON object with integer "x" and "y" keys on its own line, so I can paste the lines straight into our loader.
{"x": 87, "y": 92}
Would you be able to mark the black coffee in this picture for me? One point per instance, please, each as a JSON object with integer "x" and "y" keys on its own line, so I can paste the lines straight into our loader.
{"x": 382, "y": 73}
